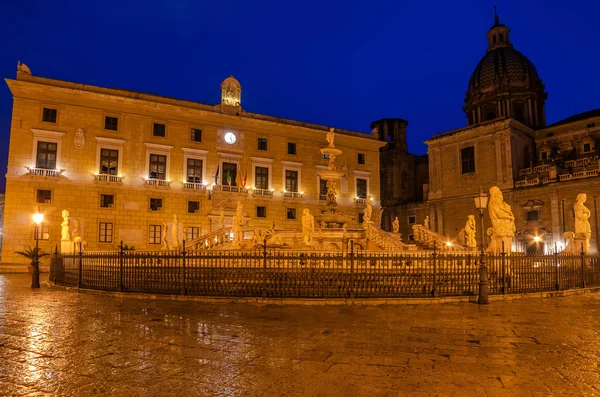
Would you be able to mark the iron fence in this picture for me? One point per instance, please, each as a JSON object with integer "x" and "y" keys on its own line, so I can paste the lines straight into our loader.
{"x": 316, "y": 274}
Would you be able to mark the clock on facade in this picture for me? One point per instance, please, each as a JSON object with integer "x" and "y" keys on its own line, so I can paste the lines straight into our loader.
{"x": 230, "y": 138}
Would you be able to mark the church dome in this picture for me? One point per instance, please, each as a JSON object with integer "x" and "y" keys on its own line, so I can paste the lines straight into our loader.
{"x": 505, "y": 84}
{"x": 505, "y": 66}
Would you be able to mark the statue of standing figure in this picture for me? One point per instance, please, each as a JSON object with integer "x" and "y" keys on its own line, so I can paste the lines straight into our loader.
{"x": 308, "y": 226}
{"x": 175, "y": 232}
{"x": 426, "y": 222}
{"x": 503, "y": 221}
{"x": 583, "y": 230}
{"x": 237, "y": 226}
{"x": 470, "y": 231}
{"x": 65, "y": 234}
{"x": 396, "y": 225}
{"x": 165, "y": 245}
{"x": 368, "y": 211}
{"x": 222, "y": 219}
{"x": 331, "y": 137}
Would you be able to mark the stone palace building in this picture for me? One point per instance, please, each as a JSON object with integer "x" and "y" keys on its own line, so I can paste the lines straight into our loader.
{"x": 125, "y": 163}
{"x": 539, "y": 168}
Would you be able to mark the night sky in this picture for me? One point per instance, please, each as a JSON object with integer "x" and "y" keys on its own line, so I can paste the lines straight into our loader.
{"x": 337, "y": 63}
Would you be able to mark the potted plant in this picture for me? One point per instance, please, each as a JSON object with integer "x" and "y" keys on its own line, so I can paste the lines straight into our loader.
{"x": 32, "y": 253}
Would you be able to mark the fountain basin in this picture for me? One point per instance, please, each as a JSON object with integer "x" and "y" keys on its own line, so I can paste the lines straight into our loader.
{"x": 336, "y": 221}
{"x": 331, "y": 151}
{"x": 330, "y": 175}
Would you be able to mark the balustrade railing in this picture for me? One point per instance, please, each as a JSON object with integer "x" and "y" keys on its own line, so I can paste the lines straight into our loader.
{"x": 158, "y": 182}
{"x": 108, "y": 178}
{"x": 578, "y": 175}
{"x": 384, "y": 240}
{"x": 194, "y": 186}
{"x": 295, "y": 195}
{"x": 527, "y": 182}
{"x": 230, "y": 189}
{"x": 44, "y": 172}
{"x": 582, "y": 162}
{"x": 262, "y": 192}
{"x": 317, "y": 274}
{"x": 429, "y": 238}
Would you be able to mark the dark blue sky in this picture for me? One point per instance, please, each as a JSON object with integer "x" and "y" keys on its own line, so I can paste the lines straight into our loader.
{"x": 337, "y": 63}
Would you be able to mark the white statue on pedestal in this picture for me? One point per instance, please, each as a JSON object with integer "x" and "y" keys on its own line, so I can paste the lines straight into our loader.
{"x": 65, "y": 225}
{"x": 175, "y": 232}
{"x": 470, "y": 231}
{"x": 396, "y": 225}
{"x": 583, "y": 230}
{"x": 368, "y": 211}
{"x": 308, "y": 227}
{"x": 331, "y": 137}
{"x": 503, "y": 220}
{"x": 237, "y": 226}
{"x": 165, "y": 245}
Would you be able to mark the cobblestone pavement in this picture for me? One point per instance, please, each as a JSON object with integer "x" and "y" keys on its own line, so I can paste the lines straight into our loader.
{"x": 63, "y": 343}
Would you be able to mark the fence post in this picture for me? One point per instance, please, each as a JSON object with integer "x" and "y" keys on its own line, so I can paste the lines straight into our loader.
{"x": 55, "y": 263}
{"x": 121, "y": 253}
{"x": 582, "y": 266}
{"x": 352, "y": 293}
{"x": 79, "y": 278}
{"x": 503, "y": 260}
{"x": 264, "y": 275}
{"x": 484, "y": 292}
{"x": 433, "y": 290}
{"x": 183, "y": 290}
{"x": 557, "y": 285}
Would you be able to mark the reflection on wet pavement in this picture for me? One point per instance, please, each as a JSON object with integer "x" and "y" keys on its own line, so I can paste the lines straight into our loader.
{"x": 62, "y": 343}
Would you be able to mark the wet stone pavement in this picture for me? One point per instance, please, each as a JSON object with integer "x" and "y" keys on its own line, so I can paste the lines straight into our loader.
{"x": 56, "y": 342}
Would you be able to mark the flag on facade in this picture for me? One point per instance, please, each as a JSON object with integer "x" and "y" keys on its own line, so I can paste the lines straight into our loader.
{"x": 228, "y": 177}
{"x": 245, "y": 175}
{"x": 217, "y": 175}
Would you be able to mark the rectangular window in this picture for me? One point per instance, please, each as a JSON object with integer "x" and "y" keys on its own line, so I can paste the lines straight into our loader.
{"x": 361, "y": 158}
{"x": 322, "y": 189}
{"x": 109, "y": 161}
{"x": 361, "y": 188}
{"x": 324, "y": 156}
{"x": 111, "y": 123}
{"x": 412, "y": 219}
{"x": 261, "y": 175}
{"x": 159, "y": 130}
{"x": 533, "y": 216}
{"x": 192, "y": 233}
{"x": 291, "y": 148}
{"x": 107, "y": 201}
{"x": 194, "y": 170}
{"x": 291, "y": 181}
{"x": 49, "y": 115}
{"x": 467, "y": 157}
{"x": 229, "y": 174}
{"x": 361, "y": 217}
{"x": 291, "y": 213}
{"x": 105, "y": 232}
{"x": 196, "y": 135}
{"x": 158, "y": 167}
{"x": 193, "y": 207}
{"x": 587, "y": 147}
{"x": 261, "y": 212}
{"x": 43, "y": 196}
{"x": 156, "y": 204}
{"x": 46, "y": 155}
{"x": 262, "y": 144}
{"x": 154, "y": 234}
{"x": 43, "y": 232}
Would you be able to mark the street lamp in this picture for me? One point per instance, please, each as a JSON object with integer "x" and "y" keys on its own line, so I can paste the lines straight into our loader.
{"x": 481, "y": 202}
{"x": 35, "y": 277}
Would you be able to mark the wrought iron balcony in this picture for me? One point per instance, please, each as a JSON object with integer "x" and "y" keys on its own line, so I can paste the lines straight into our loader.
{"x": 45, "y": 172}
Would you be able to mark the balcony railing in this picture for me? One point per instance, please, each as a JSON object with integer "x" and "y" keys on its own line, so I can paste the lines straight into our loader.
{"x": 582, "y": 162}
{"x": 158, "y": 182}
{"x": 535, "y": 170}
{"x": 46, "y": 172}
{"x": 262, "y": 192}
{"x": 322, "y": 197}
{"x": 528, "y": 182}
{"x": 578, "y": 175}
{"x": 109, "y": 178}
{"x": 293, "y": 195}
{"x": 194, "y": 186}
{"x": 230, "y": 189}
{"x": 359, "y": 200}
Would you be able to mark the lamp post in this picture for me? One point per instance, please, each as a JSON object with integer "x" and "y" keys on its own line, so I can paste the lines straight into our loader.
{"x": 35, "y": 277}
{"x": 481, "y": 202}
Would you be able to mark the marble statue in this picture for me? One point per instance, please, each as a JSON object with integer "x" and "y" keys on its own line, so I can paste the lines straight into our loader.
{"x": 461, "y": 237}
{"x": 165, "y": 245}
{"x": 331, "y": 164}
{"x": 237, "y": 226}
{"x": 396, "y": 225}
{"x": 21, "y": 67}
{"x": 470, "y": 231}
{"x": 76, "y": 232}
{"x": 175, "y": 232}
{"x": 582, "y": 224}
{"x": 65, "y": 226}
{"x": 331, "y": 197}
{"x": 331, "y": 137}
{"x": 258, "y": 237}
{"x": 308, "y": 226}
{"x": 222, "y": 219}
{"x": 368, "y": 211}
{"x": 503, "y": 220}
{"x": 426, "y": 222}
{"x": 492, "y": 246}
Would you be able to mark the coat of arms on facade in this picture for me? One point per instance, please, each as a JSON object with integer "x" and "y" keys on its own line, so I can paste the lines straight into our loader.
{"x": 79, "y": 140}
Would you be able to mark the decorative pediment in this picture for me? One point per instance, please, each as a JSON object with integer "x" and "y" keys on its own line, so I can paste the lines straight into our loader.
{"x": 532, "y": 205}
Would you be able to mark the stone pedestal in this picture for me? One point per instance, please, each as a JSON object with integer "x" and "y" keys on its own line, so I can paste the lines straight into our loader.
{"x": 66, "y": 247}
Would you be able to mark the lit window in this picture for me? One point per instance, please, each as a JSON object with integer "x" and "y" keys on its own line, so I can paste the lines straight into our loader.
{"x": 291, "y": 181}
{"x": 109, "y": 161}
{"x": 194, "y": 170}
{"x": 261, "y": 176}
{"x": 158, "y": 166}
{"x": 46, "y": 155}
{"x": 105, "y": 232}
{"x": 43, "y": 232}
{"x": 193, "y": 232}
{"x": 361, "y": 188}
{"x": 154, "y": 234}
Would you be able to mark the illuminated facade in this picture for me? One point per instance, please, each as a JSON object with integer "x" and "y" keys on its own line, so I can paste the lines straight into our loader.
{"x": 124, "y": 163}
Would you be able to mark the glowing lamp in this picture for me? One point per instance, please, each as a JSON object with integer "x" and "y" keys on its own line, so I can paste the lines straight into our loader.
{"x": 38, "y": 218}
{"x": 536, "y": 239}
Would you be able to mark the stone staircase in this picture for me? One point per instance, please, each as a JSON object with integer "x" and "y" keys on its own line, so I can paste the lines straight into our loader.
{"x": 384, "y": 240}
{"x": 211, "y": 240}
{"x": 426, "y": 238}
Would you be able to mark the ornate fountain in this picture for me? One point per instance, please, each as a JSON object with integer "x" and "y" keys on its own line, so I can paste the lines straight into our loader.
{"x": 330, "y": 216}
